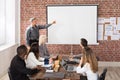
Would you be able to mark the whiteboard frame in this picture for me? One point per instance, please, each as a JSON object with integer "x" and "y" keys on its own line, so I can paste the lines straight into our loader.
{"x": 96, "y": 43}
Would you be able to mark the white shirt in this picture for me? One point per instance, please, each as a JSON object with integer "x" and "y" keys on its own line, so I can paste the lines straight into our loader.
{"x": 87, "y": 70}
{"x": 32, "y": 61}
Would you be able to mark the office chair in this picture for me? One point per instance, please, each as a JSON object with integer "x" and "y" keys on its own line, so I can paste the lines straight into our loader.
{"x": 98, "y": 59}
{"x": 9, "y": 74}
{"x": 82, "y": 77}
{"x": 103, "y": 74}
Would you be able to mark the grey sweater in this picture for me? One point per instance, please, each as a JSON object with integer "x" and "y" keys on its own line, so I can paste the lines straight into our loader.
{"x": 44, "y": 51}
{"x": 32, "y": 33}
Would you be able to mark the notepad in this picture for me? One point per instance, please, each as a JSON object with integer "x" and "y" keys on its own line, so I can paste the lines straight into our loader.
{"x": 49, "y": 70}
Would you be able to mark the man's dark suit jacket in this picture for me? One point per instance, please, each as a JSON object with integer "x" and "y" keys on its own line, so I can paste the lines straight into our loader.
{"x": 18, "y": 69}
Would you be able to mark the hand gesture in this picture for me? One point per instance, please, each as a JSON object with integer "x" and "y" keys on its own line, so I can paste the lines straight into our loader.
{"x": 53, "y": 22}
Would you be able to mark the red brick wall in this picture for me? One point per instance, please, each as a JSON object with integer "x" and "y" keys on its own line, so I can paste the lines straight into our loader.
{"x": 106, "y": 50}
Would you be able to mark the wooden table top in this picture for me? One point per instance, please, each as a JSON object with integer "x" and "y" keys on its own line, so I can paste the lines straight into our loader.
{"x": 67, "y": 75}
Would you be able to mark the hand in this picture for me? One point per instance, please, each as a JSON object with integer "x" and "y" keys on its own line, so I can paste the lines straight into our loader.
{"x": 39, "y": 67}
{"x": 53, "y": 22}
{"x": 50, "y": 61}
{"x": 42, "y": 69}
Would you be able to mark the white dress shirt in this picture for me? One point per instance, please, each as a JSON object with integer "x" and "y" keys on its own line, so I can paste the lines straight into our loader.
{"x": 87, "y": 70}
{"x": 32, "y": 61}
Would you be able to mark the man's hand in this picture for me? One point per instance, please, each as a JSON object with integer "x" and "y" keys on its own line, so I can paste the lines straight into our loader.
{"x": 53, "y": 22}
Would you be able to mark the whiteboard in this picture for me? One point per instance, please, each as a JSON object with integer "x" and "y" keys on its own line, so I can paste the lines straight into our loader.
{"x": 72, "y": 24}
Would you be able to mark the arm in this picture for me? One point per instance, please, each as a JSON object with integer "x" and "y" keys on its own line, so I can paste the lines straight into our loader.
{"x": 41, "y": 51}
{"x": 47, "y": 53}
{"x": 20, "y": 66}
{"x": 41, "y": 59}
{"x": 82, "y": 70}
{"x": 34, "y": 60}
{"x": 46, "y": 26}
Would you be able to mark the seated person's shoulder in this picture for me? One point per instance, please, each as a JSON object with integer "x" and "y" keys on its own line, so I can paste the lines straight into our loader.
{"x": 31, "y": 54}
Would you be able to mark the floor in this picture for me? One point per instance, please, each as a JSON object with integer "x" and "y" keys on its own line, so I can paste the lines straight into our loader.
{"x": 113, "y": 73}
{"x": 5, "y": 77}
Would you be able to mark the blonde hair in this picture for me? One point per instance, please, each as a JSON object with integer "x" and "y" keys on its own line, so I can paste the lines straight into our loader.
{"x": 42, "y": 39}
{"x": 90, "y": 57}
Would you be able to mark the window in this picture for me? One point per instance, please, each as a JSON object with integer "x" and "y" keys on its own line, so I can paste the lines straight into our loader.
{"x": 7, "y": 21}
{"x": 2, "y": 22}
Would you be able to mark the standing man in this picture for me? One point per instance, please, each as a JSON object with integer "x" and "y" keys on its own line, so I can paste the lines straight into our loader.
{"x": 32, "y": 32}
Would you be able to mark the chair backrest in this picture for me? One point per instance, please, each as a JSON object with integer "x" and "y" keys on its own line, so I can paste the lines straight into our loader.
{"x": 9, "y": 74}
{"x": 83, "y": 77}
{"x": 98, "y": 59}
{"x": 103, "y": 74}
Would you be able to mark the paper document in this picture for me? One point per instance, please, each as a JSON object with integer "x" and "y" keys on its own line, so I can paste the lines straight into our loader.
{"x": 48, "y": 65}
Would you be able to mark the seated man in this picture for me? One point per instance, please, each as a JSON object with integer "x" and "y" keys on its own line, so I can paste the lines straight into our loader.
{"x": 18, "y": 68}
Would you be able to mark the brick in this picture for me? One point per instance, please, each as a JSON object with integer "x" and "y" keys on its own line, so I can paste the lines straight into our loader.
{"x": 106, "y": 50}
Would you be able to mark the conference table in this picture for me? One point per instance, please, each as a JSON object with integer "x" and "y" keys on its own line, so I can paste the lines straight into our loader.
{"x": 62, "y": 74}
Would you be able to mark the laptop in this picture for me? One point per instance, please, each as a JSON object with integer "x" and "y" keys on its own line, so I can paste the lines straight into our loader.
{"x": 67, "y": 67}
{"x": 71, "y": 68}
{"x": 63, "y": 63}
